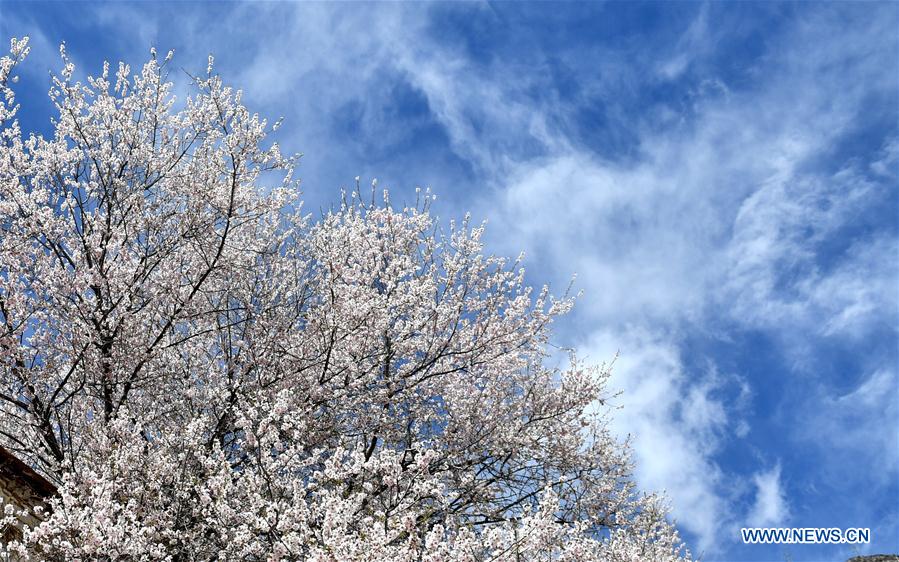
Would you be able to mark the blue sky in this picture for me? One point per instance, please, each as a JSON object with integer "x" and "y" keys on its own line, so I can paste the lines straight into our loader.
{"x": 722, "y": 177}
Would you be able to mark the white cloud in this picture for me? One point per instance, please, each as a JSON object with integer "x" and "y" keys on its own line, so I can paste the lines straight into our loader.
{"x": 673, "y": 424}
{"x": 693, "y": 43}
{"x": 857, "y": 429}
{"x": 770, "y": 508}
{"x": 774, "y": 277}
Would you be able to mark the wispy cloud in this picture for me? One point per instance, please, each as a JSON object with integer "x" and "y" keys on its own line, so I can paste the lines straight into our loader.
{"x": 770, "y": 508}
{"x": 674, "y": 426}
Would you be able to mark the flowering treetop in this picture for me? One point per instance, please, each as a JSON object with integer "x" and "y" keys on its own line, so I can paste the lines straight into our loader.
{"x": 206, "y": 373}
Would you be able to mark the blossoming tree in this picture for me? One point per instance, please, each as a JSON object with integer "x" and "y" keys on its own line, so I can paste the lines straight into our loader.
{"x": 206, "y": 373}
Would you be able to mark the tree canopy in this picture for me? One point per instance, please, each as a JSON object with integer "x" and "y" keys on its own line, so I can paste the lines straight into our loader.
{"x": 205, "y": 372}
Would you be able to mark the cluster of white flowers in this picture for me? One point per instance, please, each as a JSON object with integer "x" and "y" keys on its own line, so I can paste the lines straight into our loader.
{"x": 206, "y": 374}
